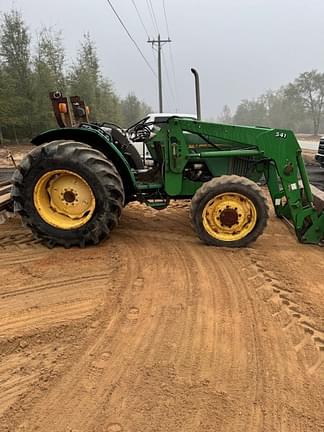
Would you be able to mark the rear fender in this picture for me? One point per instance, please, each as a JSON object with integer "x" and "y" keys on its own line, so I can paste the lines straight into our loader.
{"x": 98, "y": 141}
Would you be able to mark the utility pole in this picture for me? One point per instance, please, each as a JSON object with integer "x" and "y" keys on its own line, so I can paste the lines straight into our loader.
{"x": 159, "y": 42}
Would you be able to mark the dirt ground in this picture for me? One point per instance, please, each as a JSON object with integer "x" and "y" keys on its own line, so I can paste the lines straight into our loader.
{"x": 154, "y": 331}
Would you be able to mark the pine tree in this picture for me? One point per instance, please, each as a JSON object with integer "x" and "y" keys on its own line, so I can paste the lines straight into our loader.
{"x": 133, "y": 109}
{"x": 85, "y": 75}
{"x": 16, "y": 70}
{"x": 48, "y": 76}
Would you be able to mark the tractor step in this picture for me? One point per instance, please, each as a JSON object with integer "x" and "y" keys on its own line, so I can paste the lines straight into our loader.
{"x": 149, "y": 186}
{"x": 158, "y": 203}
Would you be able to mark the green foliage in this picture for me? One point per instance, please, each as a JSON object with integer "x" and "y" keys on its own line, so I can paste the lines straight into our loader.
{"x": 308, "y": 90}
{"x": 298, "y": 106}
{"x": 48, "y": 74}
{"x": 15, "y": 47}
{"x": 249, "y": 112}
{"x": 84, "y": 78}
{"x": 107, "y": 105}
{"x": 15, "y": 75}
{"x": 133, "y": 110}
{"x": 26, "y": 80}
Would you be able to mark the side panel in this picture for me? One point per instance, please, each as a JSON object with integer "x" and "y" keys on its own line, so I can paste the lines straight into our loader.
{"x": 99, "y": 142}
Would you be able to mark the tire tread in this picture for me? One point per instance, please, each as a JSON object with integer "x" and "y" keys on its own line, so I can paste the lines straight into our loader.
{"x": 85, "y": 155}
{"x": 216, "y": 183}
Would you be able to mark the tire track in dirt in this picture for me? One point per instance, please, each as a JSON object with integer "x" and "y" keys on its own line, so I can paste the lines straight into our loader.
{"x": 140, "y": 339}
{"x": 156, "y": 375}
{"x": 15, "y": 260}
{"x": 63, "y": 307}
{"x": 181, "y": 339}
{"x": 18, "y": 247}
{"x": 215, "y": 343}
{"x": 153, "y": 350}
{"x": 130, "y": 345}
{"x": 141, "y": 350}
{"x": 22, "y": 370}
{"x": 14, "y": 236}
{"x": 244, "y": 363}
{"x": 47, "y": 317}
{"x": 58, "y": 284}
{"x": 97, "y": 359}
{"x": 280, "y": 300}
{"x": 278, "y": 366}
{"x": 19, "y": 240}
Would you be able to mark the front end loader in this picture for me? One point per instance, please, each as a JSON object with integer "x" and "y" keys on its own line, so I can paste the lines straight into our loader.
{"x": 71, "y": 189}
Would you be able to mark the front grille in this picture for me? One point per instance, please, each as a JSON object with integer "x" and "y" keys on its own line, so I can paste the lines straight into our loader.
{"x": 240, "y": 166}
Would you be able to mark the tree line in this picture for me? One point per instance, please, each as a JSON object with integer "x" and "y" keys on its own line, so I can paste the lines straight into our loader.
{"x": 297, "y": 106}
{"x": 32, "y": 67}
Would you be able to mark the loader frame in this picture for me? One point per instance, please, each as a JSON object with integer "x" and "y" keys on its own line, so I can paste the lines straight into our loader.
{"x": 273, "y": 154}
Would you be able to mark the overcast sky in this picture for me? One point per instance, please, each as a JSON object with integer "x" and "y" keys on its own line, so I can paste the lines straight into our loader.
{"x": 240, "y": 47}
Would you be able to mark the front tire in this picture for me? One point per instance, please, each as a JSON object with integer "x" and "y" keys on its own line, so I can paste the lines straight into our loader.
{"x": 229, "y": 211}
{"x": 68, "y": 194}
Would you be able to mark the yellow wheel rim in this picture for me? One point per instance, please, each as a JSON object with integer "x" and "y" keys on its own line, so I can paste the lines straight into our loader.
{"x": 64, "y": 199}
{"x": 229, "y": 216}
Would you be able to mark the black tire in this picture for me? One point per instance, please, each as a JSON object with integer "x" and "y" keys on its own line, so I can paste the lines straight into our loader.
{"x": 79, "y": 158}
{"x": 229, "y": 184}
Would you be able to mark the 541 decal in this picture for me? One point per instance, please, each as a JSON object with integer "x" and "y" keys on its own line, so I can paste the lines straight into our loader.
{"x": 281, "y": 134}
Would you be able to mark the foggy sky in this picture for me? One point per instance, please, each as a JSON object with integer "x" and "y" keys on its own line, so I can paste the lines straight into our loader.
{"x": 240, "y": 47}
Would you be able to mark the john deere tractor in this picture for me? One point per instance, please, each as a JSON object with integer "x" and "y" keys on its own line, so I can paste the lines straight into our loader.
{"x": 72, "y": 188}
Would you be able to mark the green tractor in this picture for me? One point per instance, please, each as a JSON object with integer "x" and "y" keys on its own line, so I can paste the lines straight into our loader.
{"x": 71, "y": 189}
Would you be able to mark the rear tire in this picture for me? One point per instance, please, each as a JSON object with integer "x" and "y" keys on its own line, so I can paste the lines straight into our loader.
{"x": 33, "y": 193}
{"x": 229, "y": 211}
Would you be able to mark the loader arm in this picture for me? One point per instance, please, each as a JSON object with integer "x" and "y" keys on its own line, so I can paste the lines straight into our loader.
{"x": 279, "y": 152}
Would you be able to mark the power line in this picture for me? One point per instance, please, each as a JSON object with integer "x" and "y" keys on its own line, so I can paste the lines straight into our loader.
{"x": 169, "y": 82}
{"x": 131, "y": 37}
{"x": 140, "y": 18}
{"x": 173, "y": 68}
{"x": 166, "y": 19}
{"x": 171, "y": 53}
{"x": 168, "y": 31}
{"x": 152, "y": 14}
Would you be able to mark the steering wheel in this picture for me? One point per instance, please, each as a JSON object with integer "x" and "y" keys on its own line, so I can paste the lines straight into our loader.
{"x": 140, "y": 132}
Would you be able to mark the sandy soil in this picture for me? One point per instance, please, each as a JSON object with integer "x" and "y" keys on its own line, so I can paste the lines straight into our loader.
{"x": 154, "y": 331}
